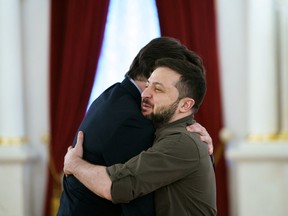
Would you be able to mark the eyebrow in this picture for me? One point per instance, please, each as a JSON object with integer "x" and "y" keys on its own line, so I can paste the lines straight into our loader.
{"x": 155, "y": 83}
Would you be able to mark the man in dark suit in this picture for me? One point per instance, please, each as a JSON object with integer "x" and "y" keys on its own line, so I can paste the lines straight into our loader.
{"x": 115, "y": 130}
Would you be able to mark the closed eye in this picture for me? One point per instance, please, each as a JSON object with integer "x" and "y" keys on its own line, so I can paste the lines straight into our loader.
{"x": 158, "y": 90}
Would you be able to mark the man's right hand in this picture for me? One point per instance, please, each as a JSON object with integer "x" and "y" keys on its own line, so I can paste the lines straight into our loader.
{"x": 94, "y": 177}
{"x": 74, "y": 155}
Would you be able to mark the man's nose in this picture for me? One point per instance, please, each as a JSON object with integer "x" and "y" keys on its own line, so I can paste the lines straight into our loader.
{"x": 146, "y": 93}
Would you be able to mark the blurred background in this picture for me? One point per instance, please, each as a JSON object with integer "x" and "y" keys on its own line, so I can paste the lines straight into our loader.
{"x": 56, "y": 57}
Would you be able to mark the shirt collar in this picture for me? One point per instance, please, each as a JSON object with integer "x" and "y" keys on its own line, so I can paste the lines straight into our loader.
{"x": 134, "y": 83}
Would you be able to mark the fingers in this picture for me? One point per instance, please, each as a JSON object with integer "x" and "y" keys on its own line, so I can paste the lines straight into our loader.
{"x": 210, "y": 149}
{"x": 204, "y": 135}
{"x": 201, "y": 129}
{"x": 197, "y": 128}
{"x": 207, "y": 139}
{"x": 80, "y": 139}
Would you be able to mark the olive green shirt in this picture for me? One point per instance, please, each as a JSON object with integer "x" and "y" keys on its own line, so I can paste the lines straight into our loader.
{"x": 177, "y": 167}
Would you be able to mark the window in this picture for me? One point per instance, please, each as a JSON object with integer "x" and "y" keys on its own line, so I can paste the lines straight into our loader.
{"x": 130, "y": 25}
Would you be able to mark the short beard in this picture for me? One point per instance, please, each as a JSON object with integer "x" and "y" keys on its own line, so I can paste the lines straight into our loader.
{"x": 164, "y": 114}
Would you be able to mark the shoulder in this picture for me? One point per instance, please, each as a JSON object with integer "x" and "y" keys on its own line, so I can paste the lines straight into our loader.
{"x": 182, "y": 142}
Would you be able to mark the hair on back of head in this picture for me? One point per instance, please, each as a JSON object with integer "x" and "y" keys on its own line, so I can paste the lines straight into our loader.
{"x": 161, "y": 47}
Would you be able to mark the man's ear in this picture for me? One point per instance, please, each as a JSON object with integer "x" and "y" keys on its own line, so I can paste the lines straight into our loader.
{"x": 186, "y": 104}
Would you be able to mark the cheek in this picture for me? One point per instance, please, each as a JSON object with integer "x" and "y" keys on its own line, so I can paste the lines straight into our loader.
{"x": 162, "y": 102}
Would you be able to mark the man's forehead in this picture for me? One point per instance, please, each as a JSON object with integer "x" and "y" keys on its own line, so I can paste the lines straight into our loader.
{"x": 164, "y": 76}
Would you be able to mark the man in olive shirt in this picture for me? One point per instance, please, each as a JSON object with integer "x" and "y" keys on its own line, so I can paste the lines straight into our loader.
{"x": 177, "y": 167}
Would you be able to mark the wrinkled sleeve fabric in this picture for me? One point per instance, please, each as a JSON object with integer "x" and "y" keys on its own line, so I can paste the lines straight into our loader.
{"x": 169, "y": 160}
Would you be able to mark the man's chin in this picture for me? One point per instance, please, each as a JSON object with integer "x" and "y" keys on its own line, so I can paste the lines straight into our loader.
{"x": 147, "y": 113}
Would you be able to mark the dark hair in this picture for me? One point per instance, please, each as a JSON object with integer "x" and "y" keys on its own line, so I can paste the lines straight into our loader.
{"x": 162, "y": 47}
{"x": 192, "y": 81}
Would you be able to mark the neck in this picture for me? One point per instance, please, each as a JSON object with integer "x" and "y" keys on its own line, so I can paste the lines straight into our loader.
{"x": 180, "y": 115}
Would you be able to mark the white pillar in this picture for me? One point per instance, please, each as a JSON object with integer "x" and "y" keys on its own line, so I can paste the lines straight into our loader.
{"x": 262, "y": 69}
{"x": 11, "y": 80}
{"x": 15, "y": 157}
{"x": 283, "y": 65}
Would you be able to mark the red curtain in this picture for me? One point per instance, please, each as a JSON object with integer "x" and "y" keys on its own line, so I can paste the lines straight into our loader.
{"x": 193, "y": 23}
{"x": 77, "y": 30}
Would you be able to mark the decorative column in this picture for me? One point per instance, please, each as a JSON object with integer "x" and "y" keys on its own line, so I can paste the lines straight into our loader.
{"x": 282, "y": 11}
{"x": 11, "y": 80}
{"x": 260, "y": 163}
{"x": 15, "y": 154}
{"x": 262, "y": 70}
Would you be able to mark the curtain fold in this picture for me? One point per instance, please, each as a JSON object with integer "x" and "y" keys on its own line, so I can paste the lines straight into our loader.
{"x": 77, "y": 31}
{"x": 193, "y": 23}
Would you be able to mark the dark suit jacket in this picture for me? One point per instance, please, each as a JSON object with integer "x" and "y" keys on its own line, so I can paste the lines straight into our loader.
{"x": 115, "y": 130}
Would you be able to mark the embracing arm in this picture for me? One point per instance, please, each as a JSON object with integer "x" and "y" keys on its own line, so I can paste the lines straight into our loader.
{"x": 94, "y": 177}
{"x": 159, "y": 166}
{"x": 137, "y": 177}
